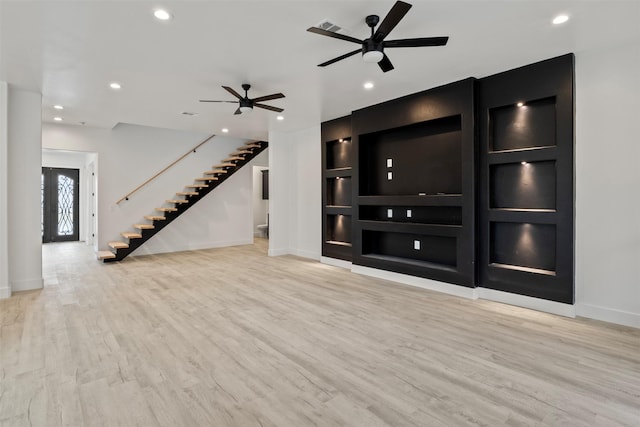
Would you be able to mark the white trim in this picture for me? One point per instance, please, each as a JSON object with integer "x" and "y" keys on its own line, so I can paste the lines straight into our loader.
{"x": 306, "y": 254}
{"x": 142, "y": 251}
{"x": 27, "y": 285}
{"x": 608, "y": 315}
{"x": 432, "y": 285}
{"x": 336, "y": 262}
{"x": 278, "y": 252}
{"x": 5, "y": 289}
{"x": 566, "y": 310}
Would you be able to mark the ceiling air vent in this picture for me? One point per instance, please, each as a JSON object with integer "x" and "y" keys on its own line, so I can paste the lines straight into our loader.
{"x": 329, "y": 26}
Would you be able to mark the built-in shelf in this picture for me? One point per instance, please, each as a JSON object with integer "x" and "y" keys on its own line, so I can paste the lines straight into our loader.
{"x": 523, "y": 269}
{"x": 411, "y": 262}
{"x": 406, "y": 227}
{"x": 415, "y": 200}
{"x": 337, "y": 243}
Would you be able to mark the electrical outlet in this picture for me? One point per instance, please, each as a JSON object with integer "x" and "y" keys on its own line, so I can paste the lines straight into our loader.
{"x": 389, "y": 163}
{"x": 389, "y": 213}
{"x": 416, "y": 245}
{"x": 389, "y": 176}
{"x": 408, "y": 213}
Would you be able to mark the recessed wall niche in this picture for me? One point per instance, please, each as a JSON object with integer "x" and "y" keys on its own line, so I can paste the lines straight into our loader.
{"x": 526, "y": 186}
{"x": 414, "y": 180}
{"x": 337, "y": 188}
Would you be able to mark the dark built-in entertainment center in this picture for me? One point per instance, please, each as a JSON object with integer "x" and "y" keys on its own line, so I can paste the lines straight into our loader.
{"x": 469, "y": 183}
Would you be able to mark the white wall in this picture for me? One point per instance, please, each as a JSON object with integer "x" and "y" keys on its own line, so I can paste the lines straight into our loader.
{"x": 128, "y": 155}
{"x": 5, "y": 288}
{"x": 608, "y": 184}
{"x": 295, "y": 193}
{"x": 23, "y": 201}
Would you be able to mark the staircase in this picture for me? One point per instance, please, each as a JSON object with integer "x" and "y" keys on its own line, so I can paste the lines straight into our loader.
{"x": 162, "y": 216}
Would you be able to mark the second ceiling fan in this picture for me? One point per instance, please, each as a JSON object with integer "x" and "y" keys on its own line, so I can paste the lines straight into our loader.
{"x": 246, "y": 104}
{"x": 373, "y": 47}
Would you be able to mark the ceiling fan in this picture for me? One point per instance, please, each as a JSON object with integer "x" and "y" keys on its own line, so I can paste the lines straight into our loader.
{"x": 373, "y": 47}
{"x": 246, "y": 103}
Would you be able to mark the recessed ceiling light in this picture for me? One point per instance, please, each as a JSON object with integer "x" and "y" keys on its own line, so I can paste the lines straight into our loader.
{"x": 225, "y": 130}
{"x": 520, "y": 104}
{"x": 560, "y": 19}
{"x": 57, "y": 119}
{"x": 162, "y": 14}
{"x": 115, "y": 85}
{"x": 280, "y": 118}
{"x": 58, "y": 107}
{"x": 368, "y": 85}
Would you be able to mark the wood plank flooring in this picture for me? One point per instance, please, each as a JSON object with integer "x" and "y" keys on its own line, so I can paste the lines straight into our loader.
{"x": 231, "y": 337}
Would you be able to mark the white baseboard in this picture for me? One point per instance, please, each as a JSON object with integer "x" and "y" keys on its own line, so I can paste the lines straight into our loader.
{"x": 336, "y": 262}
{"x": 27, "y": 285}
{"x": 278, "y": 252}
{"x": 143, "y": 250}
{"x": 5, "y": 292}
{"x": 608, "y": 315}
{"x": 306, "y": 254}
{"x": 566, "y": 310}
{"x": 432, "y": 285}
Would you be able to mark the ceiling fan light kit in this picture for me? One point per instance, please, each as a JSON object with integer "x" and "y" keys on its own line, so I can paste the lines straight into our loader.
{"x": 373, "y": 47}
{"x": 246, "y": 104}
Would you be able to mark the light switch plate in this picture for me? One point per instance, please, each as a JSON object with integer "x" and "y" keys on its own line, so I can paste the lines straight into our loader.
{"x": 389, "y": 163}
{"x": 416, "y": 245}
{"x": 389, "y": 213}
{"x": 408, "y": 213}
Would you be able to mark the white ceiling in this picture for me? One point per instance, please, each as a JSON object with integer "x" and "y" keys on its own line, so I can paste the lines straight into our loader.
{"x": 71, "y": 50}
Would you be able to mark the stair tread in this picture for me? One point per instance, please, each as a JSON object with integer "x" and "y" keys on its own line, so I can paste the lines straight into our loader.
{"x": 144, "y": 226}
{"x": 118, "y": 245}
{"x": 105, "y": 255}
{"x": 234, "y": 158}
{"x": 196, "y": 186}
{"x": 211, "y": 178}
{"x": 251, "y": 146}
{"x": 187, "y": 193}
{"x": 166, "y": 209}
{"x": 215, "y": 171}
{"x": 129, "y": 235}
{"x": 239, "y": 152}
{"x": 177, "y": 201}
{"x": 225, "y": 165}
{"x": 154, "y": 217}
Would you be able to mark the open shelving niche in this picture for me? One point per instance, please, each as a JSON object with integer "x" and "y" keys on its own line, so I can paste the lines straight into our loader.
{"x": 413, "y": 181}
{"x": 526, "y": 193}
{"x": 337, "y": 188}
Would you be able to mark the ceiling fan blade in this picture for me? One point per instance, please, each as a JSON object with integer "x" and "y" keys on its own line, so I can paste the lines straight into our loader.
{"x": 339, "y": 58}
{"x": 385, "y": 64}
{"x": 268, "y": 97}
{"x": 232, "y": 92}
{"x": 238, "y": 111}
{"x": 390, "y": 21}
{"x": 269, "y": 107}
{"x": 334, "y": 35}
{"x": 208, "y": 100}
{"x": 417, "y": 42}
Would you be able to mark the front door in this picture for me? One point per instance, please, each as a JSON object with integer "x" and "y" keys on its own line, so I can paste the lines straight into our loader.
{"x": 60, "y": 205}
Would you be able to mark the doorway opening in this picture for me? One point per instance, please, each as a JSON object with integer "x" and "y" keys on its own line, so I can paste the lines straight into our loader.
{"x": 60, "y": 205}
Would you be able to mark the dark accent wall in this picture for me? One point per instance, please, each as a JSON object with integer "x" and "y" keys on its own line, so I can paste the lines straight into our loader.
{"x": 526, "y": 183}
{"x": 414, "y": 184}
{"x": 460, "y": 183}
{"x": 337, "y": 188}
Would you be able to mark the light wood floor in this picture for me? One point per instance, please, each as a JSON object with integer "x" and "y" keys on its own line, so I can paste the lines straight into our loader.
{"x": 231, "y": 337}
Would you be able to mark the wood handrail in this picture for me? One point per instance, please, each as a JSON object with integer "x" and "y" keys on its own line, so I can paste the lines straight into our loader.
{"x": 193, "y": 150}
